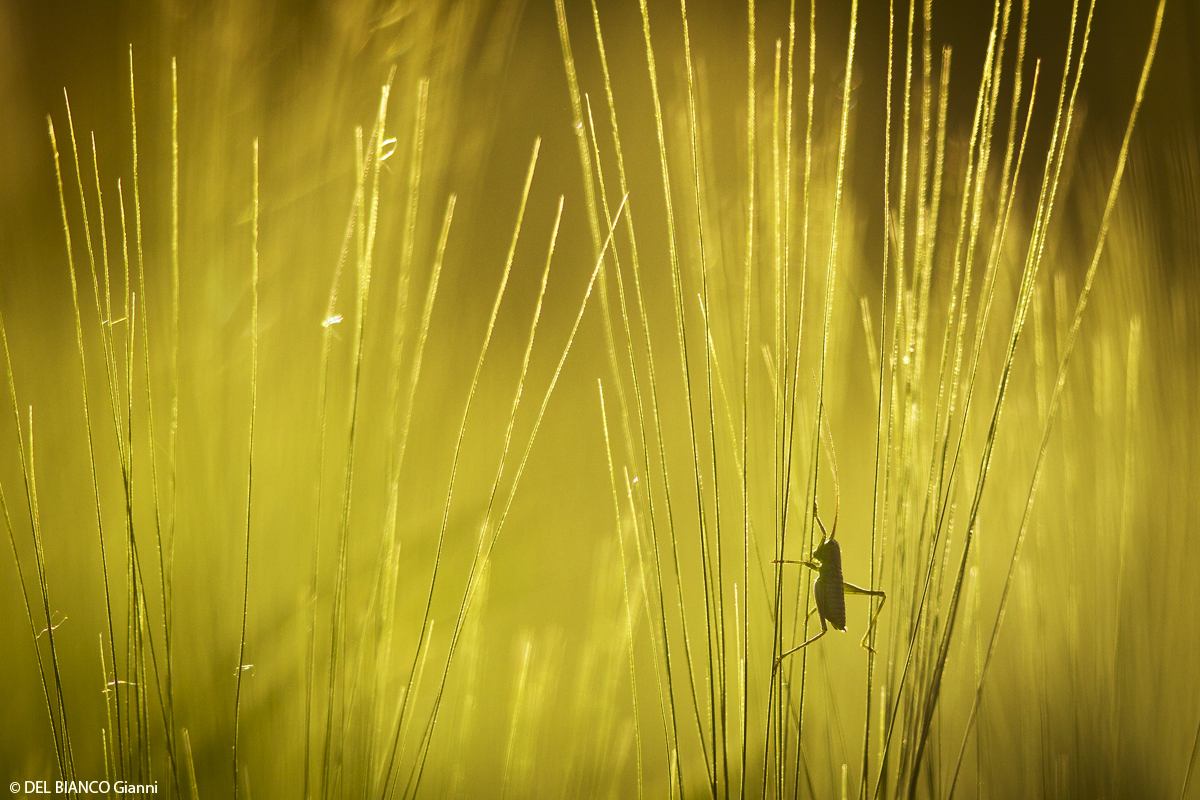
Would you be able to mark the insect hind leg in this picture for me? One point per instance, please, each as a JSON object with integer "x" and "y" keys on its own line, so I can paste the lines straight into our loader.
{"x": 804, "y": 644}
{"x": 850, "y": 588}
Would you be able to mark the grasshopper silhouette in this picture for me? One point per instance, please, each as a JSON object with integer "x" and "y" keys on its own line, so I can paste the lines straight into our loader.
{"x": 829, "y": 589}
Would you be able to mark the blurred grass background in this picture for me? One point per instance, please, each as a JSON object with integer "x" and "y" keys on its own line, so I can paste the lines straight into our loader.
{"x": 1093, "y": 691}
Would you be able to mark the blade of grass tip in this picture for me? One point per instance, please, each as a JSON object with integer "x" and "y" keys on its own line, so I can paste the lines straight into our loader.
{"x": 88, "y": 423}
{"x": 169, "y": 710}
{"x": 1064, "y": 361}
{"x": 612, "y": 474}
{"x": 529, "y": 443}
{"x": 237, "y": 701}
{"x": 462, "y": 428}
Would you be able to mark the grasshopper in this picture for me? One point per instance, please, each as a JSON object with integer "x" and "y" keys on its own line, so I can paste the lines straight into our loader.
{"x": 829, "y": 589}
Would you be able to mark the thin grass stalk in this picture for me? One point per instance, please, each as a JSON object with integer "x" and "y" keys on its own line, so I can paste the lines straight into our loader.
{"x": 612, "y": 473}
{"x": 1069, "y": 346}
{"x": 751, "y": 174}
{"x": 143, "y": 633}
{"x": 593, "y": 216}
{"x": 457, "y": 452}
{"x": 934, "y": 687}
{"x": 713, "y": 580}
{"x": 419, "y": 770}
{"x": 1187, "y": 775}
{"x": 653, "y": 394}
{"x": 327, "y": 323}
{"x": 171, "y": 443}
{"x": 876, "y": 533}
{"x": 681, "y": 336}
{"x": 59, "y": 749}
{"x": 416, "y": 157}
{"x": 426, "y": 316}
{"x": 482, "y": 554}
{"x": 510, "y": 750}
{"x": 191, "y": 765}
{"x": 88, "y": 424}
{"x": 389, "y": 565}
{"x": 59, "y": 755}
{"x": 237, "y": 697}
{"x": 669, "y": 729}
{"x": 829, "y": 295}
{"x": 782, "y": 505}
{"x": 169, "y": 710}
{"x": 366, "y": 242}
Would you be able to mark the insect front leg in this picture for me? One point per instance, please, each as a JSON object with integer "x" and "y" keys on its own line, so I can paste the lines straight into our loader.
{"x": 808, "y": 564}
{"x": 850, "y": 588}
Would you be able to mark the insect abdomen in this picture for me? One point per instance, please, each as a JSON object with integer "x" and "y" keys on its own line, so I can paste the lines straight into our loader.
{"x": 831, "y": 602}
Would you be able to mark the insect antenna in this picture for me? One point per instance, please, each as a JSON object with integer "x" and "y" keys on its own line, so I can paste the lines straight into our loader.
{"x": 837, "y": 491}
